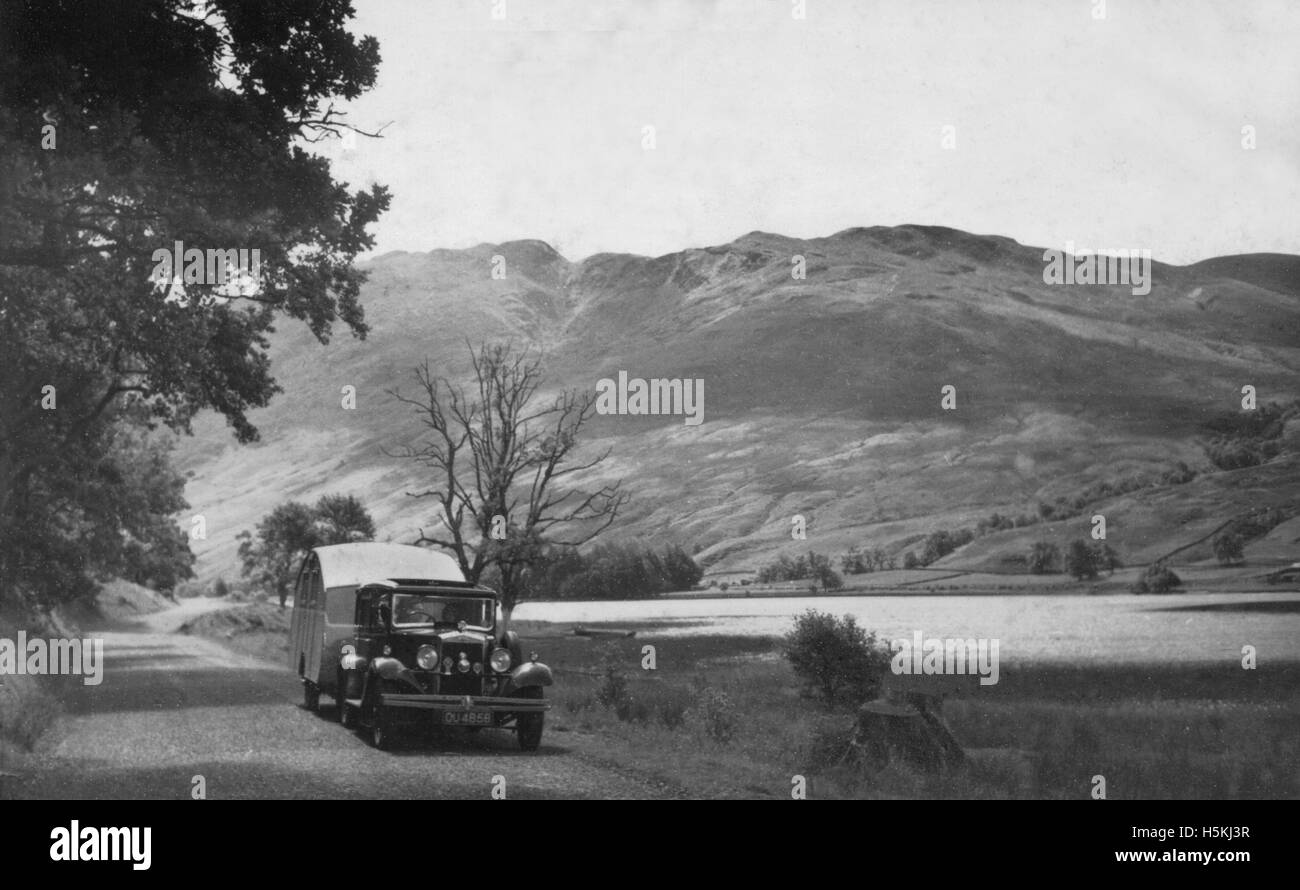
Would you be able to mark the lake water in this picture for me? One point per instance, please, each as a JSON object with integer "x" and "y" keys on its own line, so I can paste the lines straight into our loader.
{"x": 1119, "y": 627}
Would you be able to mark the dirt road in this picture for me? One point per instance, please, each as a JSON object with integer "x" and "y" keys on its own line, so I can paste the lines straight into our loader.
{"x": 173, "y": 707}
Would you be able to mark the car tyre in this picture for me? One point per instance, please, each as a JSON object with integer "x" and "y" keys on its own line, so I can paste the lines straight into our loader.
{"x": 528, "y": 725}
{"x": 381, "y": 730}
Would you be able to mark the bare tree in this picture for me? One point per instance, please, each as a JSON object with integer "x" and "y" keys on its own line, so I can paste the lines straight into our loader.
{"x": 499, "y": 464}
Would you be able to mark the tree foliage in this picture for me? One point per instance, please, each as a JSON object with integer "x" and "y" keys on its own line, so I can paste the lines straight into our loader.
{"x": 271, "y": 555}
{"x": 607, "y": 572}
{"x": 1044, "y": 558}
{"x": 812, "y": 566}
{"x": 1229, "y": 548}
{"x": 838, "y": 660}
{"x": 124, "y": 128}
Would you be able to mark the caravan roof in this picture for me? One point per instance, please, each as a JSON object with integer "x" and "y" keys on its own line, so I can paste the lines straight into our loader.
{"x": 347, "y": 565}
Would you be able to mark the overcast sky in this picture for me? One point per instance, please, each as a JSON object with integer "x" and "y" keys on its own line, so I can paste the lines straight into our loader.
{"x": 1118, "y": 132}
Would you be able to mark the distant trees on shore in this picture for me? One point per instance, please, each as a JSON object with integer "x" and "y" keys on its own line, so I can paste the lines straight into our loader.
{"x": 608, "y": 572}
{"x": 810, "y": 567}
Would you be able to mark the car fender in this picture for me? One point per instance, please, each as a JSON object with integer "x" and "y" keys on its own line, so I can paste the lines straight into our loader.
{"x": 393, "y": 670}
{"x": 531, "y": 673}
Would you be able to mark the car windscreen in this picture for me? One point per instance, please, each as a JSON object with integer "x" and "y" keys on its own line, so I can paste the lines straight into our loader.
{"x": 412, "y": 609}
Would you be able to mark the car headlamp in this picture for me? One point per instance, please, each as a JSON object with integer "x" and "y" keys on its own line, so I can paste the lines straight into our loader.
{"x": 500, "y": 660}
{"x": 426, "y": 657}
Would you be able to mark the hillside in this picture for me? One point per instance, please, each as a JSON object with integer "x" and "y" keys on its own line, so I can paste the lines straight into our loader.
{"x": 822, "y": 396}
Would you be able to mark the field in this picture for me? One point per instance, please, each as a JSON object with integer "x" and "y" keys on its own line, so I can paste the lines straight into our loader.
{"x": 722, "y": 715}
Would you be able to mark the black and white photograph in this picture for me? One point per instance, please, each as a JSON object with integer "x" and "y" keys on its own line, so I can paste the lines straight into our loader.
{"x": 421, "y": 400}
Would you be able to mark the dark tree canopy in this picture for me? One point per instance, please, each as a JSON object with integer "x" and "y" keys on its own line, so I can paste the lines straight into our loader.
{"x": 124, "y": 128}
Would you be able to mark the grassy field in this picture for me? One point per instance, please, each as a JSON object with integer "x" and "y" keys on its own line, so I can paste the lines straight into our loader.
{"x": 724, "y": 716}
{"x": 1209, "y": 731}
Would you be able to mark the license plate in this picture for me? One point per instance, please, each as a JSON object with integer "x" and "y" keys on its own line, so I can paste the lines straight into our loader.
{"x": 467, "y": 718}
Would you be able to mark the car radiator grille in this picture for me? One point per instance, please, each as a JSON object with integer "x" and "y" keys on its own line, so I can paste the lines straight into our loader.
{"x": 469, "y": 682}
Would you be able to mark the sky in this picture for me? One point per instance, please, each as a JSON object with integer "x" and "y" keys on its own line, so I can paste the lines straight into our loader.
{"x": 1107, "y": 123}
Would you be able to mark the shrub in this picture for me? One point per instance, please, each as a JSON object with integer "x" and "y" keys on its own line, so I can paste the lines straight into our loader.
{"x": 1043, "y": 558}
{"x": 220, "y": 588}
{"x": 27, "y": 709}
{"x": 1156, "y": 578}
{"x": 713, "y": 715}
{"x": 855, "y": 562}
{"x": 612, "y": 692}
{"x": 910, "y": 561}
{"x": 1080, "y": 561}
{"x": 1104, "y": 557}
{"x": 671, "y": 710}
{"x": 1229, "y": 548}
{"x": 836, "y": 658}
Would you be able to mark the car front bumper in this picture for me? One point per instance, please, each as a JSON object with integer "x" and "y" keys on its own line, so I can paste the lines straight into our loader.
{"x": 464, "y": 703}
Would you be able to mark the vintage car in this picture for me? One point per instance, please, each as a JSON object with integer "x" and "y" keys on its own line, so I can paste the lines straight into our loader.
{"x": 427, "y": 652}
{"x": 335, "y": 653}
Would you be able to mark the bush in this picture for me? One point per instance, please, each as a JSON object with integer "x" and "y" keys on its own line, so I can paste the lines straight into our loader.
{"x": 855, "y": 562}
{"x": 838, "y": 660}
{"x": 1080, "y": 562}
{"x": 612, "y": 692}
{"x": 27, "y": 710}
{"x": 1229, "y": 548}
{"x": 910, "y": 561}
{"x": 1156, "y": 578}
{"x": 1044, "y": 558}
{"x": 713, "y": 715}
{"x": 1104, "y": 558}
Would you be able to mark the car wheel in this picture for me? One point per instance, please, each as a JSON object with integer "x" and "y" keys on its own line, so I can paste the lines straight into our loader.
{"x": 528, "y": 725}
{"x": 346, "y": 717}
{"x": 310, "y": 696}
{"x": 381, "y": 731}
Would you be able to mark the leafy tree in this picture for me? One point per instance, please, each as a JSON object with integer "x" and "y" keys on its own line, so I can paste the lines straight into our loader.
{"x": 1104, "y": 557}
{"x": 493, "y": 452}
{"x": 910, "y": 561}
{"x": 272, "y": 555}
{"x": 840, "y": 662}
{"x": 855, "y": 562}
{"x": 1080, "y": 560}
{"x": 1229, "y": 548}
{"x": 124, "y": 128}
{"x": 1043, "y": 558}
{"x": 1156, "y": 578}
{"x": 283, "y": 537}
{"x": 342, "y": 518}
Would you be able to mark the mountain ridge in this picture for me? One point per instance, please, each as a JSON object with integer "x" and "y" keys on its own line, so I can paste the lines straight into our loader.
{"x": 822, "y": 394}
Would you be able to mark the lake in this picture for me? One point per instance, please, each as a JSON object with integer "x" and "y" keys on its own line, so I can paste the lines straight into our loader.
{"x": 1116, "y": 627}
